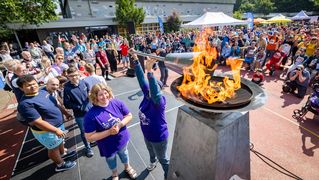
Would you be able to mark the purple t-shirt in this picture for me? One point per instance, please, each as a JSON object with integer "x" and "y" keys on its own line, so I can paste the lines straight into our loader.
{"x": 103, "y": 118}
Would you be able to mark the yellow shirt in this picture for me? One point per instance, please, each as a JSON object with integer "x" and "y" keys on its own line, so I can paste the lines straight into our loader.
{"x": 310, "y": 49}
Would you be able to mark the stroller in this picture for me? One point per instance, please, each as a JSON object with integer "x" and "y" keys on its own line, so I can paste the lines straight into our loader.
{"x": 311, "y": 105}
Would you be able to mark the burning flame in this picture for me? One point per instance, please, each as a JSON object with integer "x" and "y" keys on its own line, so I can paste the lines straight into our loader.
{"x": 197, "y": 77}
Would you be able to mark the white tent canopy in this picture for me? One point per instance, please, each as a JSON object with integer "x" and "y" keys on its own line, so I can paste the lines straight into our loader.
{"x": 214, "y": 19}
{"x": 300, "y": 16}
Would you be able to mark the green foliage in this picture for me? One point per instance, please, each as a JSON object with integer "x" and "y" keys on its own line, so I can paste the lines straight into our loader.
{"x": 268, "y": 6}
{"x": 126, "y": 12}
{"x": 257, "y": 6}
{"x": 5, "y": 33}
{"x": 238, "y": 15}
{"x": 27, "y": 11}
{"x": 295, "y": 5}
{"x": 173, "y": 22}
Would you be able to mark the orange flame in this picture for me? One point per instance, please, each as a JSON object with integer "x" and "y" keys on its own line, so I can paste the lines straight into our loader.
{"x": 197, "y": 77}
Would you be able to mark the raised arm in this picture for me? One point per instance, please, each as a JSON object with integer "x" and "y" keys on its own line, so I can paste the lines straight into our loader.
{"x": 155, "y": 90}
{"x": 140, "y": 74}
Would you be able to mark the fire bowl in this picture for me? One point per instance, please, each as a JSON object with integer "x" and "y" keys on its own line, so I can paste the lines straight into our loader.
{"x": 249, "y": 96}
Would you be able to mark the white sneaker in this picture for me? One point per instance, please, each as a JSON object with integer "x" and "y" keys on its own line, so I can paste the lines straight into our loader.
{"x": 152, "y": 165}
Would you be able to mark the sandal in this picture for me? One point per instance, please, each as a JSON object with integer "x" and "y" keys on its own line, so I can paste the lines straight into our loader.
{"x": 131, "y": 173}
{"x": 115, "y": 177}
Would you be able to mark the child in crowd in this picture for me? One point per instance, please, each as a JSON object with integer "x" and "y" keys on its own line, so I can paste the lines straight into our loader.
{"x": 258, "y": 77}
{"x": 82, "y": 69}
{"x": 274, "y": 63}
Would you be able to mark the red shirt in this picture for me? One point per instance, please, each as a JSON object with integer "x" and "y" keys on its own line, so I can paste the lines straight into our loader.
{"x": 257, "y": 77}
{"x": 124, "y": 48}
{"x": 276, "y": 57}
{"x": 102, "y": 56}
{"x": 272, "y": 43}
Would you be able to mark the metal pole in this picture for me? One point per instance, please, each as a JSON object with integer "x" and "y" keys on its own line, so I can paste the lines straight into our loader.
{"x": 159, "y": 58}
{"x": 176, "y": 58}
{"x": 90, "y": 8}
{"x": 17, "y": 38}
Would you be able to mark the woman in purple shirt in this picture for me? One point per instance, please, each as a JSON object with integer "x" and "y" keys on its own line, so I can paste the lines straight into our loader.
{"x": 105, "y": 123}
{"x": 152, "y": 115}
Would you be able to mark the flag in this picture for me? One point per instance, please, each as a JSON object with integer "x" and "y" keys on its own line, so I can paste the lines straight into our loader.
{"x": 160, "y": 22}
{"x": 250, "y": 19}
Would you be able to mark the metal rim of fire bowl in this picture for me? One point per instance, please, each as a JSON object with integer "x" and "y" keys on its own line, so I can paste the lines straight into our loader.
{"x": 257, "y": 99}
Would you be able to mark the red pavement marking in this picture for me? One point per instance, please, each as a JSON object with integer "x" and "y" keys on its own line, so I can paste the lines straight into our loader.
{"x": 11, "y": 137}
{"x": 277, "y": 135}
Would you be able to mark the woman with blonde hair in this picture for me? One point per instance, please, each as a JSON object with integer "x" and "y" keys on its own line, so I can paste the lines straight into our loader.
{"x": 48, "y": 71}
{"x": 106, "y": 123}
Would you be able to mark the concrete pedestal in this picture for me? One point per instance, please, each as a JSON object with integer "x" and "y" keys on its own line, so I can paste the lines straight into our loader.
{"x": 210, "y": 146}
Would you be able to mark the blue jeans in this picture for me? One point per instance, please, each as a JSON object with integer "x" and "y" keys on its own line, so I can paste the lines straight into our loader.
{"x": 123, "y": 154}
{"x": 50, "y": 55}
{"x": 158, "y": 150}
{"x": 79, "y": 122}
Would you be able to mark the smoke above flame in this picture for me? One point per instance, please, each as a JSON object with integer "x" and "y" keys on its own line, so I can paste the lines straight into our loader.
{"x": 197, "y": 80}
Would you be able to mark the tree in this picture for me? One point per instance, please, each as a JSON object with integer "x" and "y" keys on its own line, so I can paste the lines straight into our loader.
{"x": 126, "y": 12}
{"x": 267, "y": 6}
{"x": 27, "y": 11}
{"x": 264, "y": 6}
{"x": 295, "y": 5}
{"x": 238, "y": 15}
{"x": 173, "y": 22}
{"x": 257, "y": 6}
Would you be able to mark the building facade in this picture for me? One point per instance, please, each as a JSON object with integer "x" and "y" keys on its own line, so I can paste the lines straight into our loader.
{"x": 97, "y": 16}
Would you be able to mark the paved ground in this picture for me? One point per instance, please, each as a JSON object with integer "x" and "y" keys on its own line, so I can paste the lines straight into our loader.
{"x": 283, "y": 146}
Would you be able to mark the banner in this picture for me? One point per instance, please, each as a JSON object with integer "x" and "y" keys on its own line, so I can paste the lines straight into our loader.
{"x": 250, "y": 19}
{"x": 160, "y": 22}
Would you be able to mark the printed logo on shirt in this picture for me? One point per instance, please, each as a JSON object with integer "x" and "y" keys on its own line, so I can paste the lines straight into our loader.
{"x": 144, "y": 120}
{"x": 251, "y": 52}
{"x": 110, "y": 122}
{"x": 299, "y": 59}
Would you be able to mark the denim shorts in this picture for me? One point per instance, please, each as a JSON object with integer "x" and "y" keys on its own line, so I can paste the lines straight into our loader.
{"x": 125, "y": 59}
{"x": 48, "y": 139}
{"x": 122, "y": 153}
{"x": 249, "y": 59}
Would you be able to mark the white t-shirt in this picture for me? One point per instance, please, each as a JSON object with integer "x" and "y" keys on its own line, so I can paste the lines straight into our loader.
{"x": 47, "y": 48}
{"x": 5, "y": 57}
{"x": 94, "y": 79}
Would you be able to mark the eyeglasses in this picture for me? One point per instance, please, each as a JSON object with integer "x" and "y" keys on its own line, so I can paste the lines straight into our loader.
{"x": 73, "y": 75}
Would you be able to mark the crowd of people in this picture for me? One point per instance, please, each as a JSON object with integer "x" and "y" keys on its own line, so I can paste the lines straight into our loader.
{"x": 73, "y": 89}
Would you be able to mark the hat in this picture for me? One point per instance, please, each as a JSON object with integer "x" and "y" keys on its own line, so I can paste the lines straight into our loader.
{"x": 314, "y": 38}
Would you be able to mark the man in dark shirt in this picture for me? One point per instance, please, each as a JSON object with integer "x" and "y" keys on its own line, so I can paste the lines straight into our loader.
{"x": 76, "y": 97}
{"x": 40, "y": 110}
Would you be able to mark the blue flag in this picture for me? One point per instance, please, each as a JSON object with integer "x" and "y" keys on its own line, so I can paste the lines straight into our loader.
{"x": 160, "y": 22}
{"x": 250, "y": 19}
